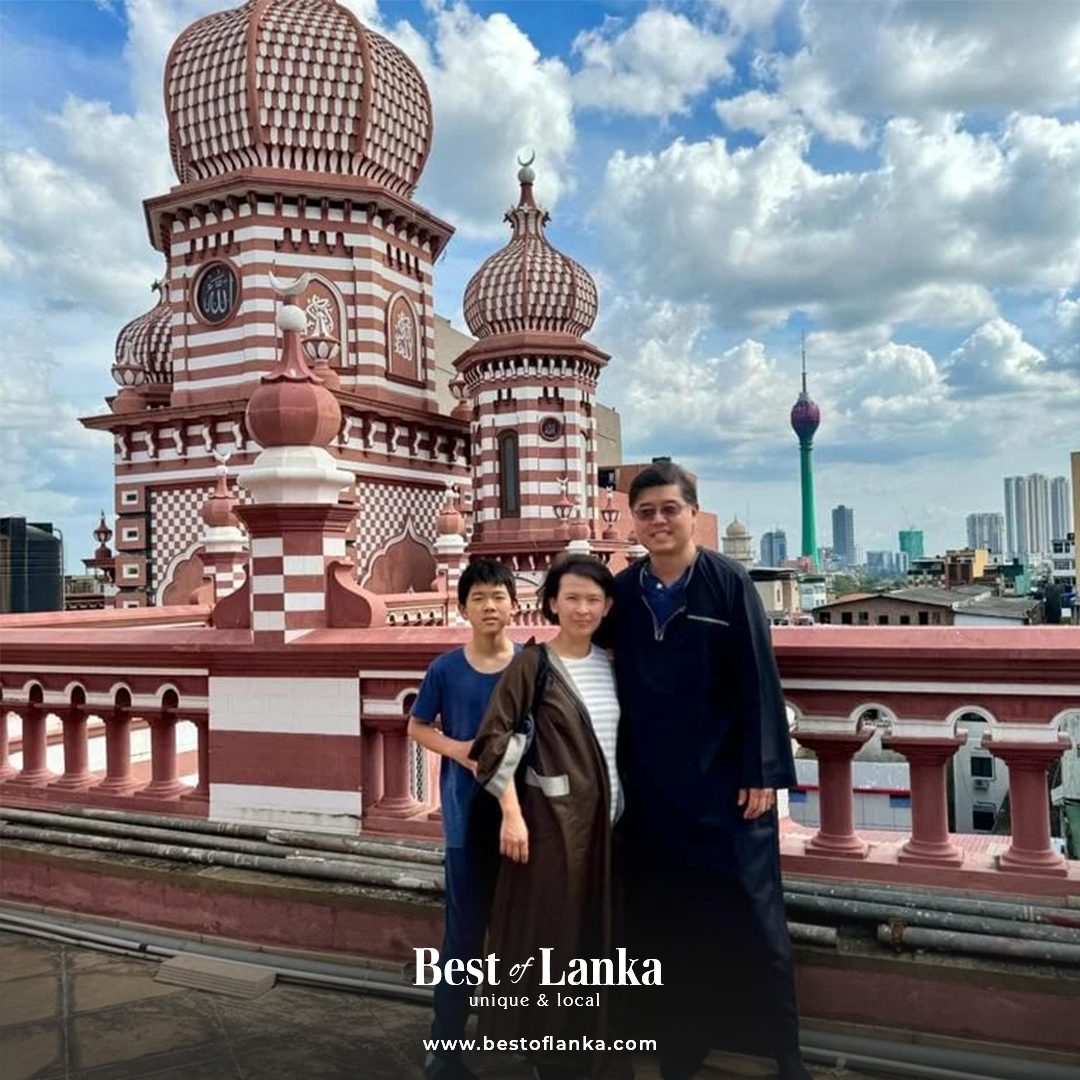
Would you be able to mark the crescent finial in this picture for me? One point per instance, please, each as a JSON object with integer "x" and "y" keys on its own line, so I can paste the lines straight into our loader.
{"x": 526, "y": 164}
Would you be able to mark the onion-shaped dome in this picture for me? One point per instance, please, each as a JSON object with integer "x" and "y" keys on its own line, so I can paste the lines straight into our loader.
{"x": 528, "y": 285}
{"x": 805, "y": 416}
{"x": 299, "y": 85}
{"x": 737, "y": 530}
{"x": 143, "y": 347}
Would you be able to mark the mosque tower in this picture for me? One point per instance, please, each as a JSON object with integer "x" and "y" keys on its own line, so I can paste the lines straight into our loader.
{"x": 805, "y": 418}
{"x": 531, "y": 381}
{"x": 298, "y": 137}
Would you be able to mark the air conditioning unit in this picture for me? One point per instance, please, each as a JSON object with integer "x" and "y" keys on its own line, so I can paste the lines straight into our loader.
{"x": 981, "y": 783}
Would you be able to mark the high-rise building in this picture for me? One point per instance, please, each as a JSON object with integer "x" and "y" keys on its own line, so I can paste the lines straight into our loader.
{"x": 805, "y": 418}
{"x": 1027, "y": 515}
{"x": 987, "y": 531}
{"x": 1038, "y": 500}
{"x": 774, "y": 547}
{"x": 843, "y": 535}
{"x": 911, "y": 543}
{"x": 1016, "y": 529}
{"x": 1060, "y": 510}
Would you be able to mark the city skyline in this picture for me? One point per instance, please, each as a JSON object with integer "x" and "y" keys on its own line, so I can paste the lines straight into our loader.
{"x": 730, "y": 173}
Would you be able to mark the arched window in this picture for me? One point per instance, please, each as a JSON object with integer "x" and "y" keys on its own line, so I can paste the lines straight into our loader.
{"x": 509, "y": 475}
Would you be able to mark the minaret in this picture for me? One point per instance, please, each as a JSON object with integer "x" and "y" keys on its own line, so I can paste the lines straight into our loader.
{"x": 531, "y": 380}
{"x": 805, "y": 418}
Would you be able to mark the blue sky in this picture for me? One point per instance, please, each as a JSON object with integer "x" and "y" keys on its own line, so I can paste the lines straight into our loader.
{"x": 898, "y": 180}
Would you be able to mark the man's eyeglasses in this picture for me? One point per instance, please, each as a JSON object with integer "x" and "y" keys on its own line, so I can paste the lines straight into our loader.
{"x": 669, "y": 511}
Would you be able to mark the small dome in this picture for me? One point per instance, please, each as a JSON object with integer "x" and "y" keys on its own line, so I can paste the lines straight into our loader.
{"x": 737, "y": 529}
{"x": 297, "y": 85}
{"x": 142, "y": 353}
{"x": 528, "y": 285}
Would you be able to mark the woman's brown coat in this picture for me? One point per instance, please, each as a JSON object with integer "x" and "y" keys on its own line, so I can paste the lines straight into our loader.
{"x": 561, "y": 898}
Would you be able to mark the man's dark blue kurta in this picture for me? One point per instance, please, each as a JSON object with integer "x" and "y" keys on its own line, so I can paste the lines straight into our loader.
{"x": 702, "y": 717}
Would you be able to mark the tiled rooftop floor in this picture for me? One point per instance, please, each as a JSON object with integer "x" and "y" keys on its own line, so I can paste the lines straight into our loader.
{"x": 70, "y": 1013}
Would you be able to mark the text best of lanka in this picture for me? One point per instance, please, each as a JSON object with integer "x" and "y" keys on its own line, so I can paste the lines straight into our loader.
{"x": 622, "y": 971}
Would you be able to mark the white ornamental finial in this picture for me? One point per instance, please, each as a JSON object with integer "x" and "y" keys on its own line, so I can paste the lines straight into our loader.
{"x": 291, "y": 317}
{"x": 526, "y": 174}
{"x": 289, "y": 288}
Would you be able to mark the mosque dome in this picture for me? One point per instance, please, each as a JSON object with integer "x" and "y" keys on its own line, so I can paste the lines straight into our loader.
{"x": 295, "y": 85}
{"x": 529, "y": 285}
{"x": 142, "y": 347}
{"x": 737, "y": 530}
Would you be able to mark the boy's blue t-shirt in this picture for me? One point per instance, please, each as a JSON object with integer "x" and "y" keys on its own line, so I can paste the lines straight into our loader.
{"x": 455, "y": 691}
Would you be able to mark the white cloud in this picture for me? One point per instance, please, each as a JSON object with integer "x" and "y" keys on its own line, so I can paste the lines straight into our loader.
{"x": 996, "y": 359}
{"x": 494, "y": 97}
{"x": 944, "y": 218}
{"x": 755, "y": 111}
{"x": 861, "y": 62}
{"x": 653, "y": 67}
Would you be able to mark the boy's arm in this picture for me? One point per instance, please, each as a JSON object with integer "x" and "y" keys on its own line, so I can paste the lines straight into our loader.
{"x": 432, "y": 738}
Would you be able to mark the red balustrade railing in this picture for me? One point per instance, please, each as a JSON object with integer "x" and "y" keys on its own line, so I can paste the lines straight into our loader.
{"x": 1025, "y": 681}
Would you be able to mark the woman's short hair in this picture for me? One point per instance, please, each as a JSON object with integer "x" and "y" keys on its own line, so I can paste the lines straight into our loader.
{"x": 586, "y": 566}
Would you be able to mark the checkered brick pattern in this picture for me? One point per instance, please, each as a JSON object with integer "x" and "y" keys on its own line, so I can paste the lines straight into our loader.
{"x": 176, "y": 525}
{"x": 381, "y": 515}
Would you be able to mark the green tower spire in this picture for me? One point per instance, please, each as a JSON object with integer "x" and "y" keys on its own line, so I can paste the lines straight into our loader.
{"x": 805, "y": 418}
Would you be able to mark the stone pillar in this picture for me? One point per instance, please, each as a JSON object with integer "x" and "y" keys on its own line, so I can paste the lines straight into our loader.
{"x": 397, "y": 800}
{"x": 7, "y": 770}
{"x": 201, "y": 791}
{"x": 165, "y": 782}
{"x": 928, "y": 758}
{"x": 76, "y": 775}
{"x": 35, "y": 769}
{"x": 1028, "y": 762}
{"x": 834, "y": 749}
{"x": 118, "y": 779}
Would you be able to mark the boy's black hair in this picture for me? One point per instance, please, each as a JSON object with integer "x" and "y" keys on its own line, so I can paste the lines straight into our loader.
{"x": 485, "y": 572}
{"x": 660, "y": 473}
{"x": 586, "y": 566}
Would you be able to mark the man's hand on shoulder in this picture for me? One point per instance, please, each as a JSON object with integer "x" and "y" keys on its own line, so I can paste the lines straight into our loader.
{"x": 757, "y": 801}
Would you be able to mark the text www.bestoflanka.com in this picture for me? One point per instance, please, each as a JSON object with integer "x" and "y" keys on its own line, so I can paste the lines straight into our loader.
{"x": 548, "y": 1042}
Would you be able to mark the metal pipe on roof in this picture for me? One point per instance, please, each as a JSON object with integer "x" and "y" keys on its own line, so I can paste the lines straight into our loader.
{"x": 419, "y": 879}
{"x": 182, "y": 836}
{"x": 918, "y": 937}
{"x": 1033, "y": 910}
{"x": 384, "y": 848}
{"x": 861, "y": 910}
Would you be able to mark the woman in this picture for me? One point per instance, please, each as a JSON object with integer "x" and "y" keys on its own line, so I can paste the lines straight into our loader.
{"x": 559, "y": 796}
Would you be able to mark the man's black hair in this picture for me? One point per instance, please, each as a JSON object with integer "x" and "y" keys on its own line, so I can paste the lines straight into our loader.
{"x": 586, "y": 566}
{"x": 485, "y": 572}
{"x": 661, "y": 473}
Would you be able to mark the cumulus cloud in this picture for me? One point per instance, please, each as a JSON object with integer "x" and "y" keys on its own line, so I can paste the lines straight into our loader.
{"x": 944, "y": 217}
{"x": 494, "y": 97}
{"x": 654, "y": 66}
{"x": 996, "y": 359}
{"x": 862, "y": 63}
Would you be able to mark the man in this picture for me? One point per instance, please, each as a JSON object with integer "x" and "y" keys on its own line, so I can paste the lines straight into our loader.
{"x": 703, "y": 746}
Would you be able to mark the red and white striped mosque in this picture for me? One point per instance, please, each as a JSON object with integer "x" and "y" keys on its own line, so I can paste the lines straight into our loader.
{"x": 298, "y": 137}
{"x": 297, "y": 491}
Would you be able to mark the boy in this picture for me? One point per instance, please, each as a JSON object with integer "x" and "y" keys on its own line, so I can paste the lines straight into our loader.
{"x": 455, "y": 690}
